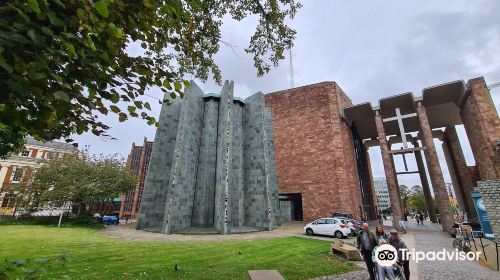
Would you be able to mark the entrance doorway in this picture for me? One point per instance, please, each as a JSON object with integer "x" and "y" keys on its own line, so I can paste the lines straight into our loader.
{"x": 291, "y": 206}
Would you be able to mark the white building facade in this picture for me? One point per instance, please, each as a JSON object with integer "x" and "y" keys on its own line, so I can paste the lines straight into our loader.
{"x": 13, "y": 168}
{"x": 382, "y": 192}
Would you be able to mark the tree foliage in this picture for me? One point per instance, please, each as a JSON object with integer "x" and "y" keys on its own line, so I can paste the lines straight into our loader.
{"x": 64, "y": 64}
{"x": 77, "y": 179}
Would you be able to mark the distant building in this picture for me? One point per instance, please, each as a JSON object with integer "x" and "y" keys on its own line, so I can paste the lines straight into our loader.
{"x": 452, "y": 197}
{"x": 138, "y": 162}
{"x": 13, "y": 168}
{"x": 382, "y": 192}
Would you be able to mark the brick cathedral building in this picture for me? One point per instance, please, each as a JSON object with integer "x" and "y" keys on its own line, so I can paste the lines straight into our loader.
{"x": 138, "y": 162}
{"x": 321, "y": 164}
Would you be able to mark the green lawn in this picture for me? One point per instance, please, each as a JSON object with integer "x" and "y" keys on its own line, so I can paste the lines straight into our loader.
{"x": 94, "y": 256}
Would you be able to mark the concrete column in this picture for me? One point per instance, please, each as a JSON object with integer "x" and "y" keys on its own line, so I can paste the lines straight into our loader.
{"x": 453, "y": 174}
{"x": 203, "y": 208}
{"x": 390, "y": 175}
{"x": 236, "y": 191}
{"x": 462, "y": 171}
{"x": 482, "y": 125}
{"x": 156, "y": 186}
{"x": 222, "y": 212}
{"x": 179, "y": 205}
{"x": 261, "y": 199}
{"x": 435, "y": 172}
{"x": 373, "y": 198}
{"x": 425, "y": 184}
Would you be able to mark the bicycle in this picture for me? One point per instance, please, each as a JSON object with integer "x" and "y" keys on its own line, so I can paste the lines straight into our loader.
{"x": 462, "y": 241}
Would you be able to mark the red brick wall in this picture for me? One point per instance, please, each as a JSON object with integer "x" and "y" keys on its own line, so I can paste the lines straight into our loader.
{"x": 314, "y": 149}
{"x": 482, "y": 125}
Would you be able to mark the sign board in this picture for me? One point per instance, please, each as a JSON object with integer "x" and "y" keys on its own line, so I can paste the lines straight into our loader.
{"x": 482, "y": 215}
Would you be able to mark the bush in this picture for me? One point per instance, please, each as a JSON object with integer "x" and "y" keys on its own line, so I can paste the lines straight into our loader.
{"x": 67, "y": 221}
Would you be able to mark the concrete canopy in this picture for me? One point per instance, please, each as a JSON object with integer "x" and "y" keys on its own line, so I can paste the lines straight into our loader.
{"x": 442, "y": 103}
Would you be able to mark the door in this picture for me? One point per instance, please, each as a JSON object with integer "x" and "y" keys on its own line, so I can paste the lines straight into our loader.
{"x": 321, "y": 227}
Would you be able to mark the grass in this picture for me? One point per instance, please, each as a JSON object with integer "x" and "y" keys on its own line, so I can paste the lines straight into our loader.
{"x": 95, "y": 256}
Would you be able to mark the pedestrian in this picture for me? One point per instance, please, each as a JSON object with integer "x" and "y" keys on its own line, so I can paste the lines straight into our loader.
{"x": 400, "y": 246}
{"x": 380, "y": 220}
{"x": 402, "y": 224}
{"x": 417, "y": 217}
{"x": 422, "y": 219}
{"x": 366, "y": 242}
{"x": 380, "y": 234}
{"x": 385, "y": 271}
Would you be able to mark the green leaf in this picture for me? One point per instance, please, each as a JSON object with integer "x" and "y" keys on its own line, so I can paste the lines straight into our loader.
{"x": 131, "y": 109}
{"x": 91, "y": 43}
{"x": 71, "y": 50}
{"x": 177, "y": 85}
{"x": 80, "y": 13}
{"x": 172, "y": 95}
{"x": 147, "y": 106}
{"x": 148, "y": 3}
{"x": 58, "y": 2}
{"x": 61, "y": 95}
{"x": 186, "y": 83}
{"x": 38, "y": 76}
{"x": 33, "y": 4}
{"x": 102, "y": 7}
{"x": 31, "y": 34}
{"x": 92, "y": 93}
{"x": 138, "y": 104}
{"x": 166, "y": 83}
{"x": 54, "y": 20}
{"x": 6, "y": 66}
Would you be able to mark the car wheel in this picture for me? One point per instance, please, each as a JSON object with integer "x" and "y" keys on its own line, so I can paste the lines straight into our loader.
{"x": 338, "y": 234}
{"x": 309, "y": 232}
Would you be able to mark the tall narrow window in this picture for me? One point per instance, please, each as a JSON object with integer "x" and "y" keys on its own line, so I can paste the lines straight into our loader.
{"x": 18, "y": 174}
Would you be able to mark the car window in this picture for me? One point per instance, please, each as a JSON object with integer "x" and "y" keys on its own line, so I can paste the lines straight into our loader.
{"x": 321, "y": 221}
{"x": 330, "y": 221}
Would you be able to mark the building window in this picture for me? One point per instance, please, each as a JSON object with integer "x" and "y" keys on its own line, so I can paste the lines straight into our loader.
{"x": 49, "y": 155}
{"x": 17, "y": 175}
{"x": 25, "y": 153}
{"x": 8, "y": 201}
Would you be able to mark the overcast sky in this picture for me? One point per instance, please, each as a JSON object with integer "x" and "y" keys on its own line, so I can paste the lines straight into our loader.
{"x": 372, "y": 49}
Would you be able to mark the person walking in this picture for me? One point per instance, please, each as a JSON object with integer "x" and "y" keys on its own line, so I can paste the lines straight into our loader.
{"x": 366, "y": 242}
{"x": 417, "y": 217}
{"x": 380, "y": 234}
{"x": 400, "y": 246}
{"x": 402, "y": 224}
{"x": 421, "y": 219}
{"x": 385, "y": 271}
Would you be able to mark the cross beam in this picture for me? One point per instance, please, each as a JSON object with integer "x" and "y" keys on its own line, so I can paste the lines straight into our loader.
{"x": 400, "y": 118}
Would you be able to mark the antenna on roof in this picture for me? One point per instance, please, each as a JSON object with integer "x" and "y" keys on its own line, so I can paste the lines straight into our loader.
{"x": 292, "y": 82}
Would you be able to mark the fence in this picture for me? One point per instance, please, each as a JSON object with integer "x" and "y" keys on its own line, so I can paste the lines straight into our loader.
{"x": 489, "y": 249}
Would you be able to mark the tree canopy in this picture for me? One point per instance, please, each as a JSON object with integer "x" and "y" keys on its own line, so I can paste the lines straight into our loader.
{"x": 77, "y": 179}
{"x": 64, "y": 64}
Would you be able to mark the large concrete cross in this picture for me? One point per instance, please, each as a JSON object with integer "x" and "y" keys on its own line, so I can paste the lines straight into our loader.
{"x": 400, "y": 118}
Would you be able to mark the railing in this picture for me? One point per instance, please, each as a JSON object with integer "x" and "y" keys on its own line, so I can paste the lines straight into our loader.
{"x": 490, "y": 244}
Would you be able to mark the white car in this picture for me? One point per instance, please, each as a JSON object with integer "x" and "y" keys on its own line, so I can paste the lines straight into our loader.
{"x": 328, "y": 226}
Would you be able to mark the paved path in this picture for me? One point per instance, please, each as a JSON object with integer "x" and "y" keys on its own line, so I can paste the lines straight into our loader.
{"x": 430, "y": 237}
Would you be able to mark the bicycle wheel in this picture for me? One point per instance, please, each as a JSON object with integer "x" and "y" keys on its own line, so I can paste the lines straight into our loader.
{"x": 457, "y": 244}
{"x": 466, "y": 246}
